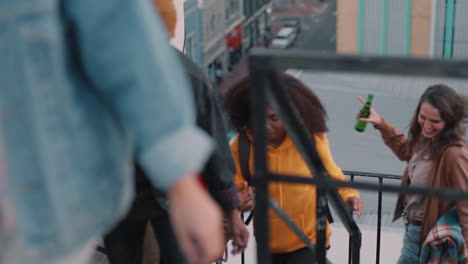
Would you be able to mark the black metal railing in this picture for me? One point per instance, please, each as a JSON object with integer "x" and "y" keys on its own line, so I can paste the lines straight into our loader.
{"x": 352, "y": 174}
{"x": 263, "y": 67}
{"x": 279, "y": 99}
{"x": 380, "y": 177}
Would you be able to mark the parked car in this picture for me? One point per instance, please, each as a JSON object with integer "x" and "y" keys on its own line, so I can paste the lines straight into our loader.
{"x": 284, "y": 39}
{"x": 294, "y": 23}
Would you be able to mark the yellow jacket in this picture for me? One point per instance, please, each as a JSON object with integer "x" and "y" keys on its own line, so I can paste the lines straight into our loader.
{"x": 297, "y": 200}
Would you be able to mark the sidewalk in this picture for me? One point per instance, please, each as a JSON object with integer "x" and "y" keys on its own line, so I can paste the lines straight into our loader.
{"x": 239, "y": 70}
{"x": 301, "y": 8}
{"x": 391, "y": 243}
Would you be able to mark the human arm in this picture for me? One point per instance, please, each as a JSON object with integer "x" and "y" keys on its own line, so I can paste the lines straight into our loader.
{"x": 218, "y": 172}
{"x": 123, "y": 54}
{"x": 456, "y": 169}
{"x": 240, "y": 234}
{"x": 246, "y": 194}
{"x": 197, "y": 221}
{"x": 349, "y": 195}
{"x": 392, "y": 137}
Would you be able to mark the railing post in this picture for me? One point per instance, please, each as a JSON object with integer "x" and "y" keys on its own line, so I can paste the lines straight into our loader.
{"x": 357, "y": 248}
{"x": 258, "y": 111}
{"x": 243, "y": 252}
{"x": 379, "y": 223}
{"x": 350, "y": 245}
{"x": 321, "y": 225}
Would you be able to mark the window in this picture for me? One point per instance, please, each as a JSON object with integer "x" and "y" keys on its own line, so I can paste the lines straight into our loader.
{"x": 247, "y": 8}
{"x": 189, "y": 48}
{"x": 212, "y": 23}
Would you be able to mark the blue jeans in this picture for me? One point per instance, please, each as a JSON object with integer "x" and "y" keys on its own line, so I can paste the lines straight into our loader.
{"x": 410, "y": 250}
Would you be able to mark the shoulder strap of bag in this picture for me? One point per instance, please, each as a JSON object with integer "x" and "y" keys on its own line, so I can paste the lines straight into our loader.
{"x": 244, "y": 155}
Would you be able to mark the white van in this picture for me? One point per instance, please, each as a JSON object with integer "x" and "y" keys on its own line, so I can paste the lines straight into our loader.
{"x": 284, "y": 39}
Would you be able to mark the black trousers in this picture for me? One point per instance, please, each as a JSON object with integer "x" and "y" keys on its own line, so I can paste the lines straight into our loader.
{"x": 300, "y": 256}
{"x": 124, "y": 244}
{"x": 170, "y": 252}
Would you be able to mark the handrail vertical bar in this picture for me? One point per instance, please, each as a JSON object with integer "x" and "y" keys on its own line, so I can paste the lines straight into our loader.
{"x": 350, "y": 250}
{"x": 321, "y": 225}
{"x": 243, "y": 252}
{"x": 379, "y": 224}
{"x": 350, "y": 245}
{"x": 258, "y": 111}
{"x": 357, "y": 248}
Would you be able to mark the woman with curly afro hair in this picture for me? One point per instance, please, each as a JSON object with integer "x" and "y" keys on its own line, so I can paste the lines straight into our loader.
{"x": 297, "y": 200}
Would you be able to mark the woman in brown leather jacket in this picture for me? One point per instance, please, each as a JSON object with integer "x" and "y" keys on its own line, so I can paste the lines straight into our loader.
{"x": 437, "y": 156}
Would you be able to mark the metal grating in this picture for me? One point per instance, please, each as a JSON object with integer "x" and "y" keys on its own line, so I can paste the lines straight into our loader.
{"x": 372, "y": 27}
{"x": 396, "y": 27}
{"x": 460, "y": 42}
{"x": 439, "y": 17}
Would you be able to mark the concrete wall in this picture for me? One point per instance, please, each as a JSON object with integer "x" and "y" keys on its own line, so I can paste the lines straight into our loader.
{"x": 421, "y": 16}
{"x": 347, "y": 26}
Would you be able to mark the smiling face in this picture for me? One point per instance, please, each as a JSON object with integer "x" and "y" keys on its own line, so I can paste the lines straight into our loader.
{"x": 430, "y": 121}
{"x": 275, "y": 130}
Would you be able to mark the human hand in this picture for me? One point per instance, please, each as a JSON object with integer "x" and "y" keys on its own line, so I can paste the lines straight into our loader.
{"x": 197, "y": 221}
{"x": 355, "y": 204}
{"x": 374, "y": 118}
{"x": 246, "y": 196}
{"x": 240, "y": 233}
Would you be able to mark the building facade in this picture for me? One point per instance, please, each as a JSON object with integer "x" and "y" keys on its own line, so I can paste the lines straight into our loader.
{"x": 214, "y": 43}
{"x": 234, "y": 30}
{"x": 193, "y": 31}
{"x": 282, "y": 4}
{"x": 421, "y": 28}
{"x": 219, "y": 33}
{"x": 257, "y": 21}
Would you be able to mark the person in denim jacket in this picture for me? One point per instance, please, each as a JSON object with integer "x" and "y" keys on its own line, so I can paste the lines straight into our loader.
{"x": 87, "y": 88}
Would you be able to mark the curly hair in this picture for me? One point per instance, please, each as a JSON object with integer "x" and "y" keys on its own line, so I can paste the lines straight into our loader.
{"x": 236, "y": 103}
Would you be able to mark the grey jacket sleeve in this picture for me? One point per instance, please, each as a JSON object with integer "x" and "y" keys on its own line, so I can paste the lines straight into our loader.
{"x": 218, "y": 173}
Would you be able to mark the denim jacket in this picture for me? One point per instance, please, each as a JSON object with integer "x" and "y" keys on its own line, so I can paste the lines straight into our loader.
{"x": 86, "y": 87}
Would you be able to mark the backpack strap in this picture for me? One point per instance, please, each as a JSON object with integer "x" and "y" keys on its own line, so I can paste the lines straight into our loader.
{"x": 244, "y": 155}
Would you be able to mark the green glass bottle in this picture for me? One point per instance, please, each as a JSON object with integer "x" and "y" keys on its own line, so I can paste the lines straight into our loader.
{"x": 364, "y": 113}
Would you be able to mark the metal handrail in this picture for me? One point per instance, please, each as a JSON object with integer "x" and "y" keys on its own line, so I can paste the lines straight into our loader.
{"x": 380, "y": 176}
{"x": 279, "y": 99}
{"x": 372, "y": 175}
{"x": 262, "y": 66}
{"x": 352, "y": 174}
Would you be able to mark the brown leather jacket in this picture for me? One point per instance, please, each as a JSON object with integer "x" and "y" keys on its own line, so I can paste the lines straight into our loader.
{"x": 450, "y": 171}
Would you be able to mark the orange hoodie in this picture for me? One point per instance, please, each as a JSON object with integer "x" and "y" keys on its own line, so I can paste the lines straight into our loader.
{"x": 297, "y": 200}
